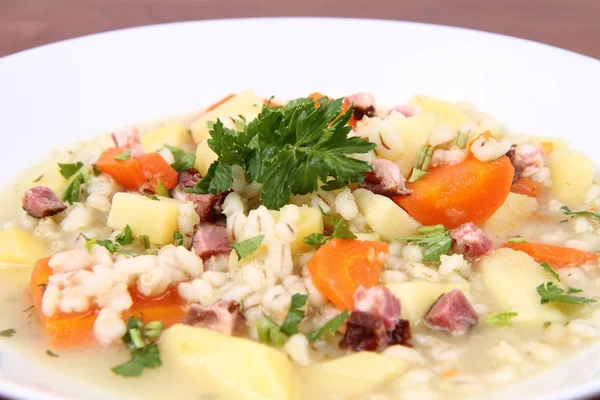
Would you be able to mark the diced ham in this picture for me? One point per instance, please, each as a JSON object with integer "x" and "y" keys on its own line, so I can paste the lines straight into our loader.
{"x": 129, "y": 138}
{"x": 379, "y": 301}
{"x": 452, "y": 313}
{"x": 41, "y": 202}
{"x": 401, "y": 333}
{"x": 527, "y": 159}
{"x": 363, "y": 104}
{"x": 209, "y": 240}
{"x": 386, "y": 179}
{"x": 208, "y": 206}
{"x": 470, "y": 240}
{"x": 365, "y": 331}
{"x": 223, "y": 316}
{"x": 406, "y": 110}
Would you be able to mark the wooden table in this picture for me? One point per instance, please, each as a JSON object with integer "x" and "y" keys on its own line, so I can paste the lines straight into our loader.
{"x": 572, "y": 24}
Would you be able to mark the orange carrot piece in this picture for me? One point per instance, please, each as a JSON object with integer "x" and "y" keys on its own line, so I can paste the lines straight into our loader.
{"x": 339, "y": 267}
{"x": 352, "y": 122}
{"x": 77, "y": 330}
{"x": 317, "y": 95}
{"x": 271, "y": 103}
{"x": 218, "y": 103}
{"x": 526, "y": 186}
{"x": 156, "y": 170}
{"x": 128, "y": 173}
{"x": 452, "y": 195}
{"x": 555, "y": 256}
{"x": 547, "y": 148}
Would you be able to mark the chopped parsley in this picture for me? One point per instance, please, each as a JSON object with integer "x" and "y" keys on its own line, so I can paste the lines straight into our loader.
{"x": 248, "y": 246}
{"x": 461, "y": 140}
{"x": 72, "y": 189}
{"x": 178, "y": 238}
{"x": 161, "y": 190}
{"x": 587, "y": 214}
{"x": 7, "y": 333}
{"x": 340, "y": 230}
{"x": 269, "y": 332}
{"x": 125, "y": 237}
{"x": 68, "y": 170}
{"x": 51, "y": 353}
{"x": 316, "y": 240}
{"x": 501, "y": 319}
{"x": 108, "y": 244}
{"x": 436, "y": 240}
{"x": 421, "y": 163}
{"x": 28, "y": 309}
{"x": 549, "y": 292}
{"x": 289, "y": 150}
{"x": 183, "y": 160}
{"x": 123, "y": 156}
{"x": 550, "y": 271}
{"x": 516, "y": 239}
{"x": 330, "y": 327}
{"x": 294, "y": 315}
{"x": 140, "y": 340}
{"x": 145, "y": 241}
{"x": 39, "y": 178}
{"x": 151, "y": 196}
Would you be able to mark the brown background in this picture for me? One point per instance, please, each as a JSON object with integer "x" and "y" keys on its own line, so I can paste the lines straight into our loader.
{"x": 572, "y": 24}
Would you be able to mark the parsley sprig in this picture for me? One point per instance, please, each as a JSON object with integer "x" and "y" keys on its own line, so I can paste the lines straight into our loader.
{"x": 421, "y": 163}
{"x": 549, "y": 292}
{"x": 183, "y": 160}
{"x": 330, "y": 327}
{"x": 76, "y": 178}
{"x": 270, "y": 332}
{"x": 436, "y": 239}
{"x": 289, "y": 150}
{"x": 246, "y": 247}
{"x": 501, "y": 318}
{"x": 140, "y": 339}
{"x": 340, "y": 230}
{"x": 587, "y": 214}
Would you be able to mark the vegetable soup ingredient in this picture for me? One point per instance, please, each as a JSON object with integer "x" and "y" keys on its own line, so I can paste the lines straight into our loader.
{"x": 19, "y": 247}
{"x": 555, "y": 256}
{"x": 527, "y": 159}
{"x": 501, "y": 319}
{"x": 383, "y": 216}
{"x": 329, "y": 328}
{"x": 41, "y": 202}
{"x": 452, "y": 313}
{"x": 421, "y": 163}
{"x": 7, "y": 332}
{"x": 452, "y": 195}
{"x": 414, "y": 132}
{"x": 550, "y": 271}
{"x": 72, "y": 189}
{"x": 145, "y": 217}
{"x": 526, "y": 186}
{"x": 339, "y": 267}
{"x": 157, "y": 171}
{"x": 127, "y": 173}
{"x": 140, "y": 339}
{"x": 470, "y": 240}
{"x": 443, "y": 111}
{"x": 209, "y": 240}
{"x": 435, "y": 239}
{"x": 68, "y": 170}
{"x": 510, "y": 278}
{"x": 235, "y": 367}
{"x": 513, "y": 213}
{"x": 183, "y": 160}
{"x": 379, "y": 301}
{"x": 385, "y": 179}
{"x": 550, "y": 292}
{"x": 170, "y": 134}
{"x": 128, "y": 139}
{"x": 310, "y": 221}
{"x": 223, "y": 316}
{"x": 572, "y": 174}
{"x": 246, "y": 247}
{"x": 123, "y": 156}
{"x": 588, "y": 214}
{"x": 294, "y": 315}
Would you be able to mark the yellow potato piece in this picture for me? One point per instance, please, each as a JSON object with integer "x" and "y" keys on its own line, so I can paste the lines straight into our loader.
{"x": 240, "y": 104}
{"x": 572, "y": 175}
{"x": 443, "y": 111}
{"x": 234, "y": 368}
{"x": 511, "y": 278}
{"x": 172, "y": 133}
{"x": 310, "y": 221}
{"x": 383, "y": 215}
{"x": 204, "y": 157}
{"x": 414, "y": 132}
{"x": 417, "y": 298}
{"x": 351, "y": 375}
{"x": 155, "y": 218}
{"x": 515, "y": 211}
{"x": 20, "y": 247}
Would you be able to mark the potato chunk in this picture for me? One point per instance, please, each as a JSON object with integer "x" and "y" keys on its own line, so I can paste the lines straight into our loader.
{"x": 310, "y": 221}
{"x": 511, "y": 278}
{"x": 240, "y": 104}
{"x": 204, "y": 157}
{"x": 414, "y": 132}
{"x": 444, "y": 111}
{"x": 572, "y": 175}
{"x": 514, "y": 211}
{"x": 19, "y": 247}
{"x": 232, "y": 367}
{"x": 350, "y": 376}
{"x": 173, "y": 134}
{"x": 155, "y": 218}
{"x": 416, "y": 298}
{"x": 383, "y": 215}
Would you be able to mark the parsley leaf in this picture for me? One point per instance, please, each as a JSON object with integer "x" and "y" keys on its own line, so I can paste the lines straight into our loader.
{"x": 178, "y": 237}
{"x": 39, "y": 178}
{"x": 151, "y": 196}
{"x": 294, "y": 315}
{"x": 315, "y": 240}
{"x": 68, "y": 170}
{"x": 125, "y": 237}
{"x": 421, "y": 163}
{"x": 51, "y": 353}
{"x": 516, "y": 239}
{"x": 588, "y": 214}
{"x": 108, "y": 244}
{"x": 248, "y": 246}
{"x": 461, "y": 140}
{"x": 340, "y": 230}
{"x": 72, "y": 189}
{"x": 161, "y": 190}
{"x": 501, "y": 319}
{"x": 330, "y": 327}
{"x": 269, "y": 332}
{"x": 573, "y": 290}
{"x": 144, "y": 352}
{"x": 549, "y": 292}
{"x": 289, "y": 150}
{"x": 7, "y": 333}
{"x": 550, "y": 271}
{"x": 123, "y": 156}
{"x": 183, "y": 160}
{"x": 145, "y": 241}
{"x": 435, "y": 238}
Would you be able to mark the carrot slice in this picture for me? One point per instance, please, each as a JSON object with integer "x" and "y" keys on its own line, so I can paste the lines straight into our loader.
{"x": 526, "y": 186}
{"x": 555, "y": 256}
{"x": 452, "y": 195}
{"x": 339, "y": 267}
{"x": 547, "y": 148}
{"x": 127, "y": 173}
{"x": 156, "y": 170}
{"x": 77, "y": 330}
{"x": 218, "y": 103}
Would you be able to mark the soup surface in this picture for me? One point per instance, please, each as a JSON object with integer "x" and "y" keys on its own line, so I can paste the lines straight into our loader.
{"x": 316, "y": 248}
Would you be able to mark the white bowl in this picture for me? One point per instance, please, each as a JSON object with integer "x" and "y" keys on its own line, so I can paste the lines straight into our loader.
{"x": 78, "y": 88}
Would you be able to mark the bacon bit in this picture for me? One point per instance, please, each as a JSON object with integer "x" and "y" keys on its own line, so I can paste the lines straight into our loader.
{"x": 223, "y": 316}
{"x": 363, "y": 103}
{"x": 207, "y": 206}
{"x": 386, "y": 179}
{"x": 379, "y": 301}
{"x": 129, "y": 138}
{"x": 41, "y": 202}
{"x": 470, "y": 240}
{"x": 526, "y": 158}
{"x": 451, "y": 313}
{"x": 209, "y": 240}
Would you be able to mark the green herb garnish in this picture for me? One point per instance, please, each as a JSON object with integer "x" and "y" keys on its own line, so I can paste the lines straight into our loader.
{"x": 421, "y": 163}
{"x": 151, "y": 196}
{"x": 268, "y": 332}
{"x": 340, "y": 230}
{"x": 588, "y": 214}
{"x": 145, "y": 241}
{"x": 516, "y": 239}
{"x": 108, "y": 244}
{"x": 140, "y": 340}
{"x": 125, "y": 237}
{"x": 289, "y": 150}
{"x": 7, "y": 333}
{"x": 436, "y": 239}
{"x": 294, "y": 315}
{"x": 51, "y": 353}
{"x": 68, "y": 170}
{"x": 248, "y": 246}
{"x": 183, "y": 160}
{"x": 72, "y": 189}
{"x": 549, "y": 292}
{"x": 461, "y": 140}
{"x": 501, "y": 319}
{"x": 39, "y": 178}
{"x": 178, "y": 237}
{"x": 123, "y": 156}
{"x": 330, "y": 327}
{"x": 550, "y": 271}
{"x": 161, "y": 190}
